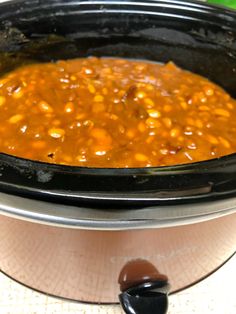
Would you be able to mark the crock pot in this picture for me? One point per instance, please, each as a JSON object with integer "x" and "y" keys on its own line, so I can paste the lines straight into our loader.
{"x": 85, "y": 234}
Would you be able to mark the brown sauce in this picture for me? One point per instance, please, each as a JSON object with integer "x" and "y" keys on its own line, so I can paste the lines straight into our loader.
{"x": 114, "y": 113}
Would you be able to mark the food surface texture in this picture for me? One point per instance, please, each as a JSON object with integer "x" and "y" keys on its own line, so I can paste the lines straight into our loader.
{"x": 114, "y": 113}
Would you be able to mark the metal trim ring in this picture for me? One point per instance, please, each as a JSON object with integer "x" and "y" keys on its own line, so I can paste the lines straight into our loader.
{"x": 113, "y": 219}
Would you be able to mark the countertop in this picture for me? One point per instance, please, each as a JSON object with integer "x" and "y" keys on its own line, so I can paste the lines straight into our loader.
{"x": 215, "y": 294}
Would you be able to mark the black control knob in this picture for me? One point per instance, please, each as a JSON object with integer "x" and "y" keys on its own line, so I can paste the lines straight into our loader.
{"x": 144, "y": 289}
{"x": 147, "y": 298}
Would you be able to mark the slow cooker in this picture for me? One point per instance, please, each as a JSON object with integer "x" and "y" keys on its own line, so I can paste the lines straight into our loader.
{"x": 100, "y": 235}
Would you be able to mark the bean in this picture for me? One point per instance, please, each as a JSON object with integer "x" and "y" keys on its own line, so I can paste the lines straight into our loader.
{"x": 226, "y": 97}
{"x": 121, "y": 129}
{"x": 17, "y": 93}
{"x": 100, "y": 152}
{"x": 39, "y": 144}
{"x": 140, "y": 94}
{"x": 140, "y": 157}
{"x": 199, "y": 133}
{"x": 100, "y": 134}
{"x": 203, "y": 108}
{"x": 152, "y": 132}
{"x": 68, "y": 159}
{"x": 140, "y": 67}
{"x": 199, "y": 124}
{"x": 131, "y": 133}
{"x": 11, "y": 147}
{"x": 154, "y": 113}
{"x": 120, "y": 61}
{"x": 167, "y": 122}
{"x": 221, "y": 112}
{"x": 149, "y": 103}
{"x": 98, "y": 98}
{"x": 150, "y": 139}
{"x": 190, "y": 121}
{"x": 224, "y": 142}
{"x": 153, "y": 123}
{"x": 184, "y": 105}
{"x": 188, "y": 130}
{"x": 64, "y": 80}
{"x": 190, "y": 101}
{"x": 56, "y": 132}
{"x": 111, "y": 116}
{"x": 167, "y": 108}
{"x": 3, "y": 82}
{"x": 141, "y": 127}
{"x": 56, "y": 122}
{"x": 44, "y": 106}
{"x": 208, "y": 91}
{"x": 80, "y": 116}
{"x": 149, "y": 87}
{"x": 88, "y": 71}
{"x": 16, "y": 118}
{"x": 175, "y": 132}
{"x": 98, "y": 107}
{"x": 2, "y": 100}
{"x": 91, "y": 89}
{"x": 122, "y": 93}
{"x": 105, "y": 91}
{"x": 116, "y": 100}
{"x": 212, "y": 139}
{"x": 230, "y": 105}
{"x": 88, "y": 123}
{"x": 106, "y": 71}
{"x": 37, "y": 135}
{"x": 81, "y": 158}
{"x": 69, "y": 107}
{"x": 164, "y": 151}
{"x": 192, "y": 146}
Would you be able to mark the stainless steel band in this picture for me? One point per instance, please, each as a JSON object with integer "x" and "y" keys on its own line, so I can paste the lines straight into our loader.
{"x": 113, "y": 219}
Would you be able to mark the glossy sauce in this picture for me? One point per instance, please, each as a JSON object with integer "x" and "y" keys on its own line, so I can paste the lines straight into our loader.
{"x": 114, "y": 113}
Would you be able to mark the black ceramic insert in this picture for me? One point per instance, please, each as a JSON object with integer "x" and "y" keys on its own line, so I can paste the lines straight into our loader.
{"x": 196, "y": 36}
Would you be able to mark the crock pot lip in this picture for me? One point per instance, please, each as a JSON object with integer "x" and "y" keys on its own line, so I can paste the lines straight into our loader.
{"x": 74, "y": 217}
{"x": 186, "y": 3}
{"x": 221, "y": 12}
{"x": 194, "y": 5}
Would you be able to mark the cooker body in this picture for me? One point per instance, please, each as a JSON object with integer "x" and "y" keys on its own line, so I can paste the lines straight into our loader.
{"x": 85, "y": 265}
